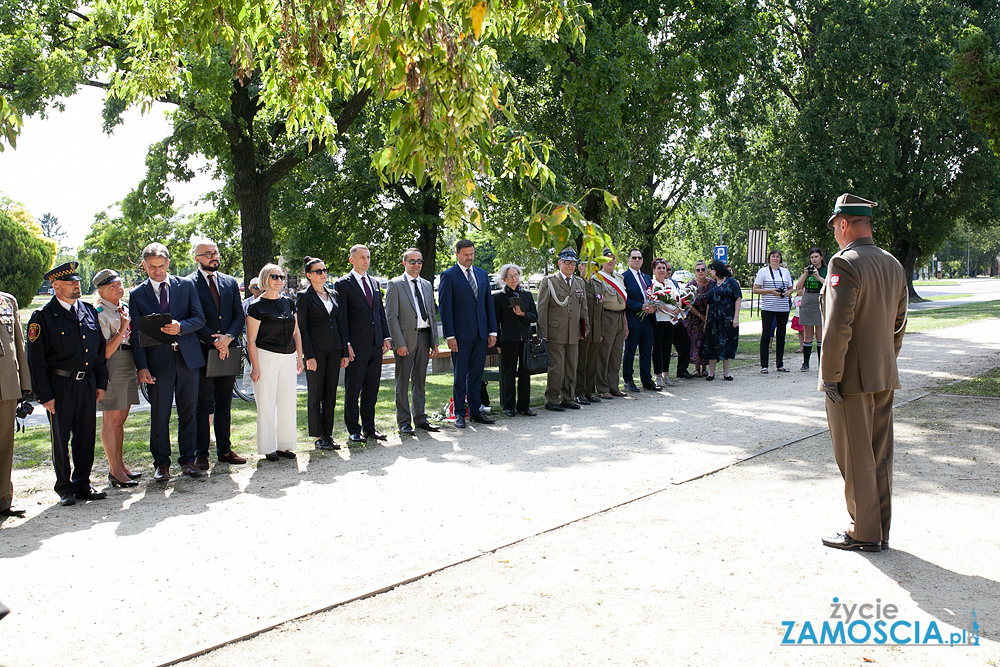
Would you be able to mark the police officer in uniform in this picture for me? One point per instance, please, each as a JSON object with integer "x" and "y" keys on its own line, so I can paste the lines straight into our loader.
{"x": 864, "y": 305}
{"x": 15, "y": 383}
{"x": 68, "y": 377}
{"x": 562, "y": 317}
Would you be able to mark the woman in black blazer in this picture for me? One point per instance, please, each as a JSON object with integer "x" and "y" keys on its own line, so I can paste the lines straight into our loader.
{"x": 323, "y": 325}
{"x": 514, "y": 325}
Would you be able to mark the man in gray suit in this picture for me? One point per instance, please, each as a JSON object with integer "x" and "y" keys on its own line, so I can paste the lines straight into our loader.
{"x": 412, "y": 318}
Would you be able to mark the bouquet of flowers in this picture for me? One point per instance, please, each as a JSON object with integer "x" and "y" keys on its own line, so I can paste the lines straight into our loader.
{"x": 670, "y": 299}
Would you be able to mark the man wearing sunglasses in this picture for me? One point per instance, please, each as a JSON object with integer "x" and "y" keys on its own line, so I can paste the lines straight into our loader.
{"x": 224, "y": 319}
{"x": 170, "y": 369}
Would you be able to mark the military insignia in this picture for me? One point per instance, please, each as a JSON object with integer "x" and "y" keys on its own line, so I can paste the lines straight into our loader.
{"x": 34, "y": 331}
{"x": 834, "y": 280}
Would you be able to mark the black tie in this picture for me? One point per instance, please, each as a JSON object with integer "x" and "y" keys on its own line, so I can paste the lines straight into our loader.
{"x": 420, "y": 301}
{"x": 164, "y": 304}
{"x": 214, "y": 290}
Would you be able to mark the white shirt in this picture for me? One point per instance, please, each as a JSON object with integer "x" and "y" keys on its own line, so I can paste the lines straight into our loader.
{"x": 414, "y": 286}
{"x": 769, "y": 278}
{"x": 361, "y": 282}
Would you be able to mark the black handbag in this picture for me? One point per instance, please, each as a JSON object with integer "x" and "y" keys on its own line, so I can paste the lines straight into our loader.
{"x": 536, "y": 355}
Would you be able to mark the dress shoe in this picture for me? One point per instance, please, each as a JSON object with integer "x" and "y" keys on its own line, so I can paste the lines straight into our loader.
{"x": 845, "y": 541}
{"x": 67, "y": 500}
{"x": 191, "y": 470}
{"x": 631, "y": 387}
{"x": 286, "y": 454}
{"x": 583, "y": 400}
{"x": 528, "y": 412}
{"x": 407, "y": 430}
{"x": 554, "y": 407}
{"x": 201, "y": 463}
{"x": 326, "y": 442}
{"x": 650, "y": 386}
{"x": 356, "y": 437}
{"x": 884, "y": 544}
{"x": 427, "y": 426}
{"x": 483, "y": 419}
{"x": 231, "y": 457}
{"x": 607, "y": 395}
{"x": 686, "y": 375}
{"x": 11, "y": 511}
{"x": 162, "y": 473}
{"x": 90, "y": 495}
{"x": 570, "y": 406}
{"x": 459, "y": 422}
{"x": 375, "y": 435}
{"x": 619, "y": 393}
{"x": 509, "y": 413}
{"x": 593, "y": 398}
{"x": 273, "y": 456}
{"x": 115, "y": 484}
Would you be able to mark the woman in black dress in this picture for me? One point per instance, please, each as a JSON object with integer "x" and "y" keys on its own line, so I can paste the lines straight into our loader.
{"x": 323, "y": 326}
{"x": 514, "y": 322}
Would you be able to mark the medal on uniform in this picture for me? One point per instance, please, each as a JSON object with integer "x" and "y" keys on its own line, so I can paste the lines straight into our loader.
{"x": 7, "y": 315}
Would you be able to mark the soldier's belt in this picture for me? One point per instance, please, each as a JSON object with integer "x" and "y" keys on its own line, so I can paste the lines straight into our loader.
{"x": 73, "y": 375}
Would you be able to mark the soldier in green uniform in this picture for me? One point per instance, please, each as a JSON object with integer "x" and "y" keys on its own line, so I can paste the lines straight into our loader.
{"x": 864, "y": 305}
{"x": 562, "y": 317}
{"x": 614, "y": 329}
{"x": 586, "y": 365}
{"x": 14, "y": 385}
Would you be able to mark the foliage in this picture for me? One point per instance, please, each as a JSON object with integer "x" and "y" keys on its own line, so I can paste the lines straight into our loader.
{"x": 976, "y": 74}
{"x": 52, "y": 229}
{"x": 25, "y": 253}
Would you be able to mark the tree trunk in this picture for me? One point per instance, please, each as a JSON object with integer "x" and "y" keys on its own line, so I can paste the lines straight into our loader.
{"x": 255, "y": 223}
{"x": 907, "y": 254}
{"x": 427, "y": 235}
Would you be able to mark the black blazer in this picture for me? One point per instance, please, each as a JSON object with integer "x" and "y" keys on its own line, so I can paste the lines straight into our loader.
{"x": 513, "y": 327}
{"x": 366, "y": 325}
{"x": 229, "y": 317}
{"x": 320, "y": 331}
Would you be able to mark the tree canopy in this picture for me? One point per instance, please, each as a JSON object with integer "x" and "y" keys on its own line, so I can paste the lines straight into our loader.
{"x": 25, "y": 253}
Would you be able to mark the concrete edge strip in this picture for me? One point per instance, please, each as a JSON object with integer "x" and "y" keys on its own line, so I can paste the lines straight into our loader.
{"x": 298, "y": 615}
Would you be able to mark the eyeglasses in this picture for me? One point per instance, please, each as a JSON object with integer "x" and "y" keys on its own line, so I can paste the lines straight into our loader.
{"x": 210, "y": 254}
{"x": 636, "y": 257}
{"x": 701, "y": 269}
{"x": 276, "y": 276}
{"x": 319, "y": 271}
{"x": 668, "y": 269}
{"x": 414, "y": 261}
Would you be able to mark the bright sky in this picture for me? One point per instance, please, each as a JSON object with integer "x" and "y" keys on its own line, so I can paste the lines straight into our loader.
{"x": 65, "y": 165}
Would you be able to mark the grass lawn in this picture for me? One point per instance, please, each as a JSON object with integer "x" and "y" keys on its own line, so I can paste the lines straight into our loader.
{"x": 987, "y": 384}
{"x": 945, "y": 297}
{"x": 951, "y": 316}
{"x": 935, "y": 283}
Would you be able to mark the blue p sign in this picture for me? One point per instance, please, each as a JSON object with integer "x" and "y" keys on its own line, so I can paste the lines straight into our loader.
{"x": 722, "y": 253}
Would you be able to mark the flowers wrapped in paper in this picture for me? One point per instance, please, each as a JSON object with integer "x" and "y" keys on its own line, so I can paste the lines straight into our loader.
{"x": 671, "y": 300}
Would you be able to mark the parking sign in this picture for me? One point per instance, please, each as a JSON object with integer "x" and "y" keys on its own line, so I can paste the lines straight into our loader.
{"x": 722, "y": 253}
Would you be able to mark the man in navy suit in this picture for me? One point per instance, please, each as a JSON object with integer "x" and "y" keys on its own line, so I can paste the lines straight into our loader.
{"x": 640, "y": 329}
{"x": 470, "y": 326}
{"x": 169, "y": 370}
{"x": 367, "y": 340}
{"x": 219, "y": 295}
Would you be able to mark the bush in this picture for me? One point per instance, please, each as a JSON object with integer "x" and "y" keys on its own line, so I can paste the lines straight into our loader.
{"x": 25, "y": 255}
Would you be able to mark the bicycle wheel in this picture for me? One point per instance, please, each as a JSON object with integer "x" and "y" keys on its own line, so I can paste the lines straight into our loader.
{"x": 243, "y": 388}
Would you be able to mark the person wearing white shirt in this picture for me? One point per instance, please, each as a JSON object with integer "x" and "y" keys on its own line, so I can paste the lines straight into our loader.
{"x": 774, "y": 285}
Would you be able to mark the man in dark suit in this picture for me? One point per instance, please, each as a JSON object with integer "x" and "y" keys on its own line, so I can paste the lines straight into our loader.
{"x": 224, "y": 319}
{"x": 470, "y": 326}
{"x": 367, "y": 340}
{"x": 640, "y": 329}
{"x": 170, "y": 370}
{"x": 412, "y": 317}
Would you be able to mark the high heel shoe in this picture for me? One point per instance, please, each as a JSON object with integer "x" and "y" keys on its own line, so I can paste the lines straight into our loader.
{"x": 134, "y": 475}
{"x": 121, "y": 485}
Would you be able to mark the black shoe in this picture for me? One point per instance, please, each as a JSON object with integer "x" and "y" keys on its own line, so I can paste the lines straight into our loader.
{"x": 285, "y": 454}
{"x": 727, "y": 377}
{"x": 273, "y": 456}
{"x": 555, "y": 407}
{"x": 582, "y": 400}
{"x": 67, "y": 500}
{"x": 709, "y": 377}
{"x": 483, "y": 419}
{"x": 845, "y": 541}
{"x": 90, "y": 495}
{"x": 650, "y": 386}
{"x": 884, "y": 544}
{"x": 459, "y": 422}
{"x": 528, "y": 412}
{"x": 356, "y": 437}
{"x": 571, "y": 405}
{"x": 406, "y": 429}
{"x": 10, "y": 511}
{"x": 115, "y": 484}
{"x": 631, "y": 386}
{"x": 509, "y": 413}
{"x": 326, "y": 443}
{"x": 593, "y": 398}
{"x": 375, "y": 435}
{"x": 686, "y": 375}
{"x": 427, "y": 426}
{"x": 134, "y": 475}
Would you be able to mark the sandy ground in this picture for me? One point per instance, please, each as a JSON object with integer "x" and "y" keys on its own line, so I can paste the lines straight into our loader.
{"x": 702, "y": 571}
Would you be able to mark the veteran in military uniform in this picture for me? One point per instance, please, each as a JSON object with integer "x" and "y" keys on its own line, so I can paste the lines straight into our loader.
{"x": 586, "y": 365}
{"x": 68, "y": 376}
{"x": 562, "y": 322}
{"x": 864, "y": 305}
{"x": 15, "y": 383}
{"x": 614, "y": 329}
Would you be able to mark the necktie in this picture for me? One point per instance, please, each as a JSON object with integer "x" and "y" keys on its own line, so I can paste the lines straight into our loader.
{"x": 472, "y": 282}
{"x": 368, "y": 291}
{"x": 420, "y": 301}
{"x": 78, "y": 311}
{"x": 214, "y": 289}
{"x": 164, "y": 303}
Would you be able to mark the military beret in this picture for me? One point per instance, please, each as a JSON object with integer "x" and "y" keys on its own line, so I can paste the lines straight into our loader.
{"x": 105, "y": 277}
{"x": 65, "y": 271}
{"x": 848, "y": 204}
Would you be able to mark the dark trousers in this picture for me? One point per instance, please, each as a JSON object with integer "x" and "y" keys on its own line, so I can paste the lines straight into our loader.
{"x": 73, "y": 424}
{"x": 515, "y": 381}
{"x": 173, "y": 382}
{"x": 322, "y": 397}
{"x": 215, "y": 397}
{"x": 468, "y": 362}
{"x": 361, "y": 380}
{"x": 641, "y": 338}
{"x": 768, "y": 319}
{"x": 668, "y": 335}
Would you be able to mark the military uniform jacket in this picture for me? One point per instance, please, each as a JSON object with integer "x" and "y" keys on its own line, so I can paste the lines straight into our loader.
{"x": 595, "y": 309}
{"x": 14, "y": 376}
{"x": 560, "y": 308}
{"x": 864, "y": 305}
{"x": 58, "y": 339}
{"x": 613, "y": 300}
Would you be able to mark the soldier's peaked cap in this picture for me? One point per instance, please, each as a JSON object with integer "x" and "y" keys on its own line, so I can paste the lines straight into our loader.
{"x": 848, "y": 204}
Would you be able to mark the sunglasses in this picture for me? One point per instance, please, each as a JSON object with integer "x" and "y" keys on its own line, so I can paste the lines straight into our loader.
{"x": 319, "y": 271}
{"x": 276, "y": 276}
{"x": 414, "y": 261}
{"x": 699, "y": 269}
